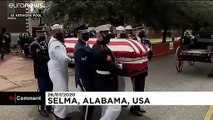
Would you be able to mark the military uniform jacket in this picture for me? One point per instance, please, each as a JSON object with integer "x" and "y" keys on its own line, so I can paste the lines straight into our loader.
{"x": 39, "y": 51}
{"x": 143, "y": 40}
{"x": 58, "y": 65}
{"x": 84, "y": 69}
{"x": 104, "y": 59}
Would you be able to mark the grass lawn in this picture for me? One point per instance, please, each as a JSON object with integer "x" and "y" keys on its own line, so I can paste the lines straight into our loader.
{"x": 157, "y": 40}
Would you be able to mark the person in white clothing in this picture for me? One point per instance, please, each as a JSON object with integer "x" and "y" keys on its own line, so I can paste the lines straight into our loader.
{"x": 58, "y": 67}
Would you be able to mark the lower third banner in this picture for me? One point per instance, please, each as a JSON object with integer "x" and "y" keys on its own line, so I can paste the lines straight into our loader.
{"x": 22, "y": 98}
{"x": 129, "y": 98}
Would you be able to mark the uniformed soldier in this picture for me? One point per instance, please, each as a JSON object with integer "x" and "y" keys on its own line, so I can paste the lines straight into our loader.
{"x": 138, "y": 81}
{"x": 106, "y": 70}
{"x": 120, "y": 32}
{"x": 58, "y": 67}
{"x": 128, "y": 29}
{"x": 39, "y": 50}
{"x": 140, "y": 36}
{"x": 84, "y": 70}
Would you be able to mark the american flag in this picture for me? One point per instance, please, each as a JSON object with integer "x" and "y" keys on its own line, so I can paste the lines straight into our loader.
{"x": 132, "y": 54}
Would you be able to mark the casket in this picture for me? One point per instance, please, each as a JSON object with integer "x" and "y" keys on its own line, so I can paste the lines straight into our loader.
{"x": 132, "y": 54}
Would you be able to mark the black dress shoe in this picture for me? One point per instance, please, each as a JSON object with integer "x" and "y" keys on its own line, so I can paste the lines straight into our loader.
{"x": 142, "y": 110}
{"x": 50, "y": 110}
{"x": 44, "y": 113}
{"x": 135, "y": 112}
{"x": 58, "y": 118}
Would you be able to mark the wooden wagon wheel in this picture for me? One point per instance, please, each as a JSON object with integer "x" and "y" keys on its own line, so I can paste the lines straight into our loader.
{"x": 191, "y": 62}
{"x": 178, "y": 62}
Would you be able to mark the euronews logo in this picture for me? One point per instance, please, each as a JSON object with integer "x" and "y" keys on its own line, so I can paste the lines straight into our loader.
{"x": 36, "y": 4}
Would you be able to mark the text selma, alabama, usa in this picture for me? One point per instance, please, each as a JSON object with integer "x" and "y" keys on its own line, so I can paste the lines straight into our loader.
{"x": 93, "y": 98}
{"x": 97, "y": 101}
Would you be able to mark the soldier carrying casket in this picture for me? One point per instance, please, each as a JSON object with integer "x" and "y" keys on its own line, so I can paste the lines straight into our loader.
{"x": 120, "y": 32}
{"x": 106, "y": 70}
{"x": 58, "y": 68}
{"x": 104, "y": 61}
{"x": 84, "y": 70}
{"x": 128, "y": 30}
{"x": 139, "y": 35}
{"x": 138, "y": 80}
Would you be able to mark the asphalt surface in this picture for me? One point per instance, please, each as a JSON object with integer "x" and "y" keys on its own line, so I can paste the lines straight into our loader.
{"x": 16, "y": 74}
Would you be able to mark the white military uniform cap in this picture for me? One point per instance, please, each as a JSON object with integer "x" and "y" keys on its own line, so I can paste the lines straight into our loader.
{"x": 128, "y": 27}
{"x": 56, "y": 26}
{"x": 103, "y": 28}
{"x": 120, "y": 28}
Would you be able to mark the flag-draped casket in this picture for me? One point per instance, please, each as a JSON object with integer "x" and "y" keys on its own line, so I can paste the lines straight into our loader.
{"x": 132, "y": 54}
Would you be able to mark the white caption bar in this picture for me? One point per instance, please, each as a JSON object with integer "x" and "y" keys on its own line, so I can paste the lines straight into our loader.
{"x": 129, "y": 98}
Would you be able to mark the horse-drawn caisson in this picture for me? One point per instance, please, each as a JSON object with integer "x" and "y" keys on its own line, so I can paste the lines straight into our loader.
{"x": 198, "y": 48}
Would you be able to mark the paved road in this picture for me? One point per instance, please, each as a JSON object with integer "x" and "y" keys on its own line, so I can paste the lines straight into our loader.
{"x": 16, "y": 74}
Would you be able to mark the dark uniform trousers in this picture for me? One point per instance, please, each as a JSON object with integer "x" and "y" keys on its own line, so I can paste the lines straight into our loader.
{"x": 84, "y": 73}
{"x": 106, "y": 83}
{"x": 40, "y": 56}
{"x": 87, "y": 110}
{"x": 138, "y": 83}
{"x": 44, "y": 84}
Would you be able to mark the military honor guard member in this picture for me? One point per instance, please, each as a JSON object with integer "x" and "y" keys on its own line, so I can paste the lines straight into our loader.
{"x": 128, "y": 31}
{"x": 84, "y": 69}
{"x": 140, "y": 36}
{"x": 39, "y": 50}
{"x": 120, "y": 32}
{"x": 58, "y": 67}
{"x": 106, "y": 70}
{"x": 138, "y": 81}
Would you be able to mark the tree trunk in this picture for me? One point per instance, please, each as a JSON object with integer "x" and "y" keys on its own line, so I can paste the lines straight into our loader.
{"x": 164, "y": 34}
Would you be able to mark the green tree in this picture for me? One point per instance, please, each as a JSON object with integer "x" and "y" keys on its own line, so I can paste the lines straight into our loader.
{"x": 160, "y": 14}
